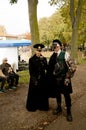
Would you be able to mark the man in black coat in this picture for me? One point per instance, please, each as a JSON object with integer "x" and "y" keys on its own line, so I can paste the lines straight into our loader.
{"x": 56, "y": 74}
{"x": 37, "y": 98}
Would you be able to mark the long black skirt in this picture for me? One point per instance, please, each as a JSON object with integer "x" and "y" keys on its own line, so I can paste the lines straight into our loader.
{"x": 37, "y": 98}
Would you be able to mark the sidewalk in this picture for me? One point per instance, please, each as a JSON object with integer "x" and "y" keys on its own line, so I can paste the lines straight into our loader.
{"x": 79, "y": 117}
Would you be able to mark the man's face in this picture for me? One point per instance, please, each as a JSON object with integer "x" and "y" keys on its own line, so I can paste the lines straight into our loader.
{"x": 57, "y": 48}
{"x": 5, "y": 61}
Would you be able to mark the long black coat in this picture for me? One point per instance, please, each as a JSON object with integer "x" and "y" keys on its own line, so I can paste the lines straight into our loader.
{"x": 56, "y": 83}
{"x": 37, "y": 93}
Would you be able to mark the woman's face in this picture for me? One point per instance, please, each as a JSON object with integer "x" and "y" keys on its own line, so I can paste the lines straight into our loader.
{"x": 38, "y": 53}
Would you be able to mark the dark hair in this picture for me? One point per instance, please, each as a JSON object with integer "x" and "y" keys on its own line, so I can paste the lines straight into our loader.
{"x": 56, "y": 41}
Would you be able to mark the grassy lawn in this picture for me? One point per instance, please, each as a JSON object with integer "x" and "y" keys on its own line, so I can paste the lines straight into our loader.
{"x": 23, "y": 77}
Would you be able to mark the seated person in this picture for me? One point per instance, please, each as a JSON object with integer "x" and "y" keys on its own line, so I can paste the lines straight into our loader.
{"x": 12, "y": 77}
{"x": 2, "y": 80}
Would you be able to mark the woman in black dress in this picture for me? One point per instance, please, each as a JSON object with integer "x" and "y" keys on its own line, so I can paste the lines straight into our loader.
{"x": 37, "y": 93}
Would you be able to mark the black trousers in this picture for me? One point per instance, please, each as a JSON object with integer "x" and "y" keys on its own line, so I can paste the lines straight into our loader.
{"x": 13, "y": 79}
{"x": 2, "y": 80}
{"x": 67, "y": 99}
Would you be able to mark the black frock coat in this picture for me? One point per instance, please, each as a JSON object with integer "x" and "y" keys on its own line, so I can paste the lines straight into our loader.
{"x": 37, "y": 93}
{"x": 54, "y": 86}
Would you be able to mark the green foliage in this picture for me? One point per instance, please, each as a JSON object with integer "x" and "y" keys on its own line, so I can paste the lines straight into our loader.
{"x": 54, "y": 27}
{"x": 58, "y": 2}
{"x": 82, "y": 23}
{"x": 13, "y": 1}
{"x": 59, "y": 24}
{"x": 81, "y": 60}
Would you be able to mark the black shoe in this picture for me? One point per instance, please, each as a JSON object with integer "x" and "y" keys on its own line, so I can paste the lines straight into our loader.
{"x": 57, "y": 111}
{"x": 12, "y": 88}
{"x": 69, "y": 117}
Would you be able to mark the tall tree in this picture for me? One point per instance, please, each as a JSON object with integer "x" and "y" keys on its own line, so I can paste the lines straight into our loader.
{"x": 32, "y": 12}
{"x": 75, "y": 15}
{"x": 32, "y": 9}
{"x": 75, "y": 19}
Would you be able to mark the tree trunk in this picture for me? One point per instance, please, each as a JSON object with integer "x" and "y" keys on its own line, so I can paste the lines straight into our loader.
{"x": 32, "y": 11}
{"x": 75, "y": 19}
{"x": 74, "y": 40}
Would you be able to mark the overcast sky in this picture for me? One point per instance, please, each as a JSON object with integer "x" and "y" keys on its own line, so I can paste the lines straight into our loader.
{"x": 15, "y": 17}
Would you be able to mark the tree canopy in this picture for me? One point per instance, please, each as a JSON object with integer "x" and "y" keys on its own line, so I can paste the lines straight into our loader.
{"x": 74, "y": 11}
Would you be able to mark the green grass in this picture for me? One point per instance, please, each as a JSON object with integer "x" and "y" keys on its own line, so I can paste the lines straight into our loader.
{"x": 81, "y": 57}
{"x": 23, "y": 77}
{"x": 81, "y": 60}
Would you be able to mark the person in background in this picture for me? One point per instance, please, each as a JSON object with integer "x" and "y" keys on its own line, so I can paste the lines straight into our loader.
{"x": 37, "y": 98}
{"x": 56, "y": 73}
{"x": 12, "y": 77}
{"x": 2, "y": 81}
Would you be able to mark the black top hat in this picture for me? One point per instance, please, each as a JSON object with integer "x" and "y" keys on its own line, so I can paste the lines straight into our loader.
{"x": 38, "y": 46}
{"x": 56, "y": 41}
